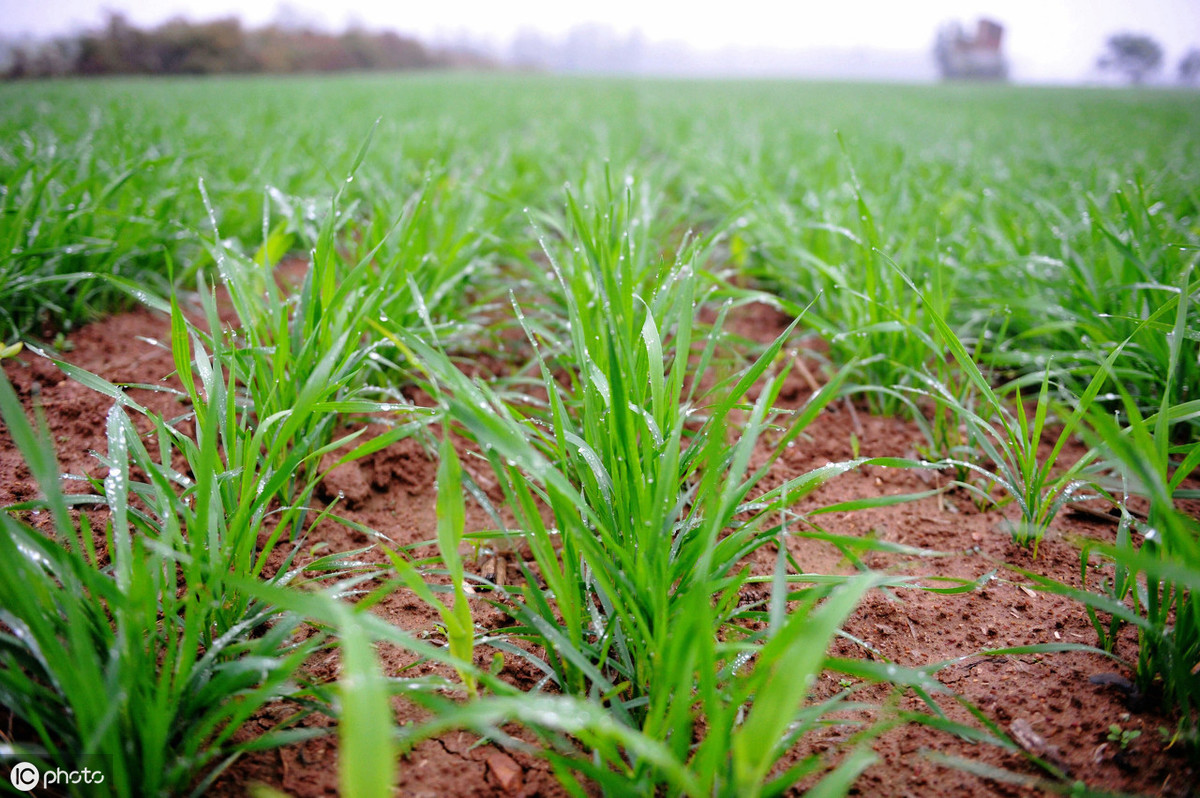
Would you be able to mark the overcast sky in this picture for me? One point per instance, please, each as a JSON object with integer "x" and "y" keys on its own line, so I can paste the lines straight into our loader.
{"x": 1045, "y": 39}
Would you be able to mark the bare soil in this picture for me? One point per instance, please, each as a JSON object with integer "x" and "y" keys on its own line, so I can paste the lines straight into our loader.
{"x": 1057, "y": 706}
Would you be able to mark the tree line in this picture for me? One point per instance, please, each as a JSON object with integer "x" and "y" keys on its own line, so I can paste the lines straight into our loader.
{"x": 1138, "y": 56}
{"x": 223, "y": 46}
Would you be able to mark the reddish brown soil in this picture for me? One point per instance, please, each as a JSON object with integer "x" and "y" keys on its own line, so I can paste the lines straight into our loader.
{"x": 1049, "y": 702}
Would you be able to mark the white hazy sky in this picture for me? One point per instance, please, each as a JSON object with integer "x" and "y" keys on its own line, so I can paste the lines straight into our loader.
{"x": 1045, "y": 39}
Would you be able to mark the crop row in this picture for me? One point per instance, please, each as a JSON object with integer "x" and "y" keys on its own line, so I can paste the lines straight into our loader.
{"x": 1005, "y": 299}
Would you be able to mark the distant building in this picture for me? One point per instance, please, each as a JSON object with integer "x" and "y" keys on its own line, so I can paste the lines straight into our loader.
{"x": 963, "y": 57}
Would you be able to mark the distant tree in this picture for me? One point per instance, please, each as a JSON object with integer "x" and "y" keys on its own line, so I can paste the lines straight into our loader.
{"x": 1189, "y": 67}
{"x": 45, "y": 59}
{"x": 1133, "y": 54}
{"x": 530, "y": 49}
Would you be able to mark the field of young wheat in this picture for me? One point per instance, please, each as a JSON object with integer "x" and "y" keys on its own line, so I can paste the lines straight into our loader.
{"x": 519, "y": 435}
